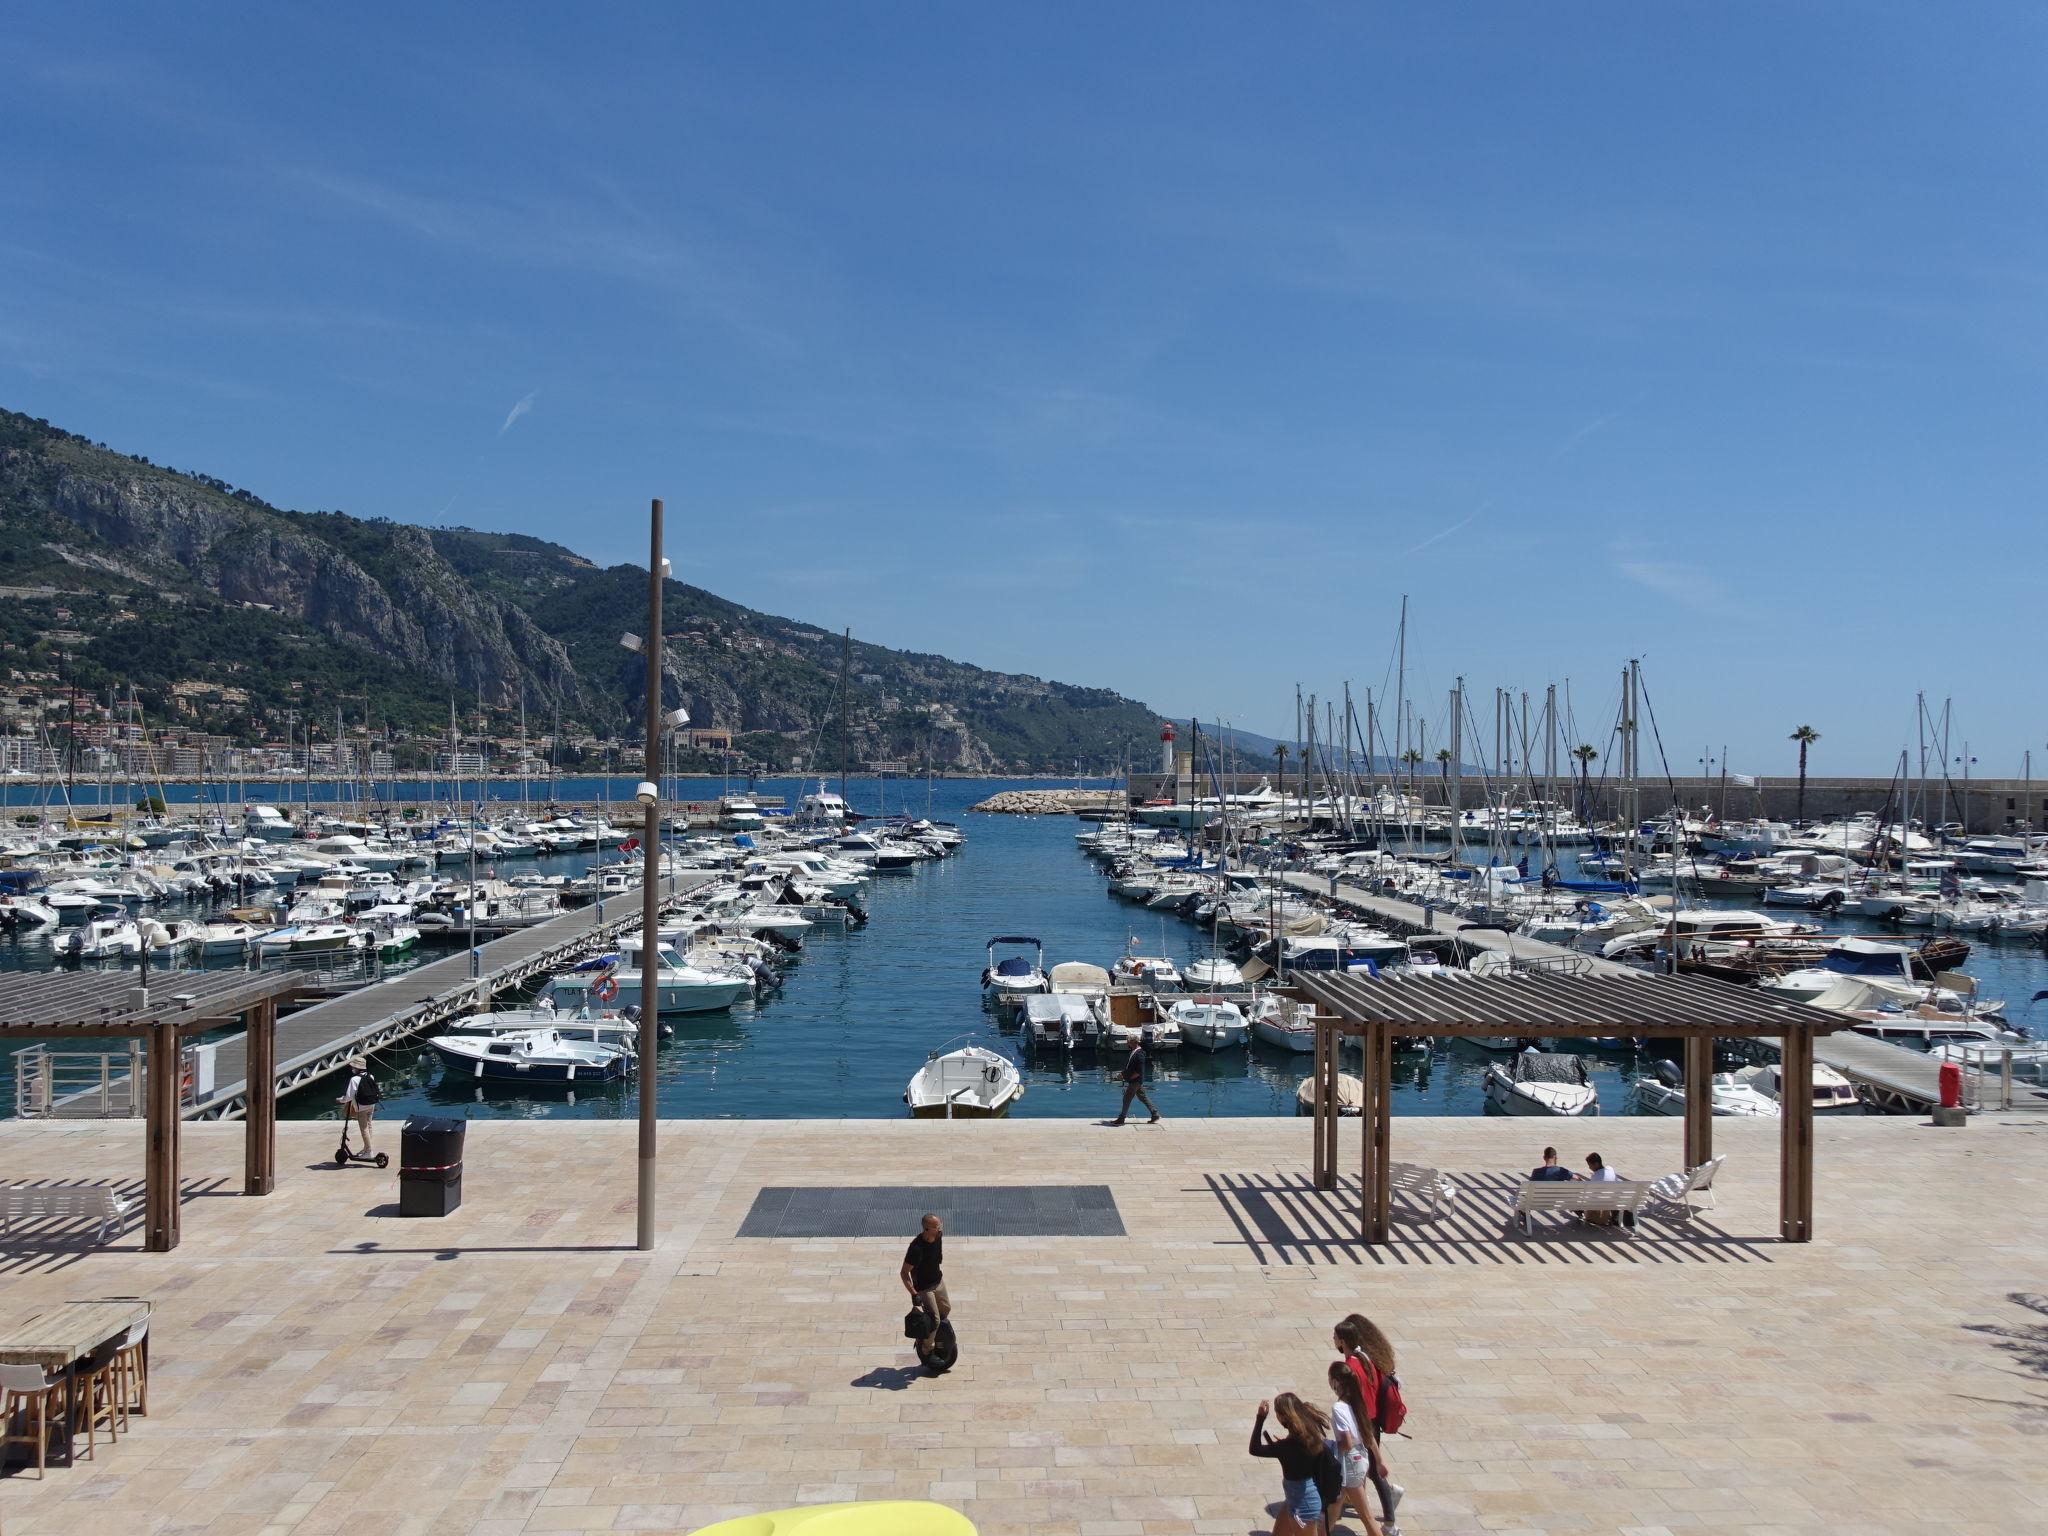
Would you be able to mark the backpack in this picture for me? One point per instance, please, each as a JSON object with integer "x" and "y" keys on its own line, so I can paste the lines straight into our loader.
{"x": 366, "y": 1092}
{"x": 1390, "y": 1411}
{"x": 1328, "y": 1472}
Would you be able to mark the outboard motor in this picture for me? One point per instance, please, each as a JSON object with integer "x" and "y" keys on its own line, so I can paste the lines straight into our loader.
{"x": 1669, "y": 1075}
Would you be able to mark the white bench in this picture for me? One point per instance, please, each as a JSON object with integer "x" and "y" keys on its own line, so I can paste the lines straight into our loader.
{"x": 1421, "y": 1184}
{"x": 1573, "y": 1196}
{"x": 66, "y": 1202}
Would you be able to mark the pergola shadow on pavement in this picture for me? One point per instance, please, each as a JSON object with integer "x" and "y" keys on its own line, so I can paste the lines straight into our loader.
{"x": 165, "y": 1008}
{"x": 1378, "y": 1010}
{"x": 1285, "y": 1220}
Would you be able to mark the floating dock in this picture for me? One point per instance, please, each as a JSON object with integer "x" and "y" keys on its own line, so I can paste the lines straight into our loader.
{"x": 1887, "y": 1076}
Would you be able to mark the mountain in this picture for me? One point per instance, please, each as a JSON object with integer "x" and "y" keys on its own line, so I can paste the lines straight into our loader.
{"x": 230, "y": 615}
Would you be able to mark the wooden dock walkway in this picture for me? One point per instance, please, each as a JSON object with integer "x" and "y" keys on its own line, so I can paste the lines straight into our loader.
{"x": 316, "y": 1042}
{"x": 1891, "y": 1077}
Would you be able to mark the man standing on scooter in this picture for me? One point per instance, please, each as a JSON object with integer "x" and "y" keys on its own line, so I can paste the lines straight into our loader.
{"x": 359, "y": 1101}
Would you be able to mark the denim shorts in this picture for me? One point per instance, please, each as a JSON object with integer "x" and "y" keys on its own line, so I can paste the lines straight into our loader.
{"x": 1303, "y": 1502}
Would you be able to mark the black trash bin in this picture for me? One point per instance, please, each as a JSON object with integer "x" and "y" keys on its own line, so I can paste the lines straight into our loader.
{"x": 430, "y": 1166}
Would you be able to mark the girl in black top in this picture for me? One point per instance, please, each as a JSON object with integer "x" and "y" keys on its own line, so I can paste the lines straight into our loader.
{"x": 1307, "y": 1430}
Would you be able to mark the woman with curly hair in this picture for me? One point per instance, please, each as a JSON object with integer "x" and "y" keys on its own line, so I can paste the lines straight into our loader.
{"x": 1370, "y": 1354}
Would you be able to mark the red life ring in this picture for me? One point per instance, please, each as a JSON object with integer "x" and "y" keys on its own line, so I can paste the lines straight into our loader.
{"x": 605, "y": 990}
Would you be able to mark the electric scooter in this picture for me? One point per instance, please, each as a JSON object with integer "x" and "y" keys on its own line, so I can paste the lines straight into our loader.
{"x": 345, "y": 1154}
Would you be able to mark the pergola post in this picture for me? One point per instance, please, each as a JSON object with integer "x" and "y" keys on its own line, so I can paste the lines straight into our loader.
{"x": 259, "y": 1134}
{"x": 1795, "y": 1133}
{"x": 1319, "y": 1103}
{"x": 161, "y": 1084}
{"x": 1699, "y": 1101}
{"x": 1380, "y": 1066}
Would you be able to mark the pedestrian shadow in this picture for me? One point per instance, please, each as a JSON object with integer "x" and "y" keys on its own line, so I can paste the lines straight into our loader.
{"x": 1285, "y": 1220}
{"x": 888, "y": 1378}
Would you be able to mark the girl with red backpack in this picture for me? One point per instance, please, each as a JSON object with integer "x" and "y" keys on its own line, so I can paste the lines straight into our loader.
{"x": 1370, "y": 1355}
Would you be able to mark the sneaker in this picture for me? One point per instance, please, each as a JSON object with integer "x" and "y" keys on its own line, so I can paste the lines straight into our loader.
{"x": 1153, "y": 1121}
{"x": 1116, "y": 1122}
{"x": 1389, "y": 1528}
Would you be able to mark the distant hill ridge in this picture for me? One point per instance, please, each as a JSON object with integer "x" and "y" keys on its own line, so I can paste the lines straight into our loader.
{"x": 223, "y": 611}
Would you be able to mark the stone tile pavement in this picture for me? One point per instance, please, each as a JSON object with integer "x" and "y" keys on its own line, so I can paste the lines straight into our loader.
{"x": 325, "y": 1367}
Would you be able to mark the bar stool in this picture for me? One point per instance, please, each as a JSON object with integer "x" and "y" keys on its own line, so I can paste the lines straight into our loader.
{"x": 131, "y": 1371}
{"x": 94, "y": 1378}
{"x": 23, "y": 1387}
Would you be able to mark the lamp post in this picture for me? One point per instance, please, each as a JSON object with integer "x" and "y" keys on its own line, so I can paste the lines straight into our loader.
{"x": 650, "y": 894}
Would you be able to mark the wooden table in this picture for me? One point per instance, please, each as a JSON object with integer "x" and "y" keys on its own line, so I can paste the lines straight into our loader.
{"x": 58, "y": 1338}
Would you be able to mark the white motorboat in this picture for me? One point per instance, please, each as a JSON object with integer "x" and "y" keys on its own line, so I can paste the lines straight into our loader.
{"x": 223, "y": 940}
{"x": 1062, "y": 1021}
{"x": 614, "y": 981}
{"x": 1541, "y": 1083}
{"x": 1282, "y": 1022}
{"x": 1833, "y": 1094}
{"x": 972, "y": 1083}
{"x": 1214, "y": 974}
{"x": 736, "y": 813}
{"x": 1662, "y": 1092}
{"x": 1885, "y": 967}
{"x": 609, "y": 1029}
{"x": 1211, "y": 1026}
{"x": 26, "y": 912}
{"x": 533, "y": 1056}
{"x": 306, "y": 938}
{"x": 102, "y": 938}
{"x": 1014, "y": 976}
{"x": 1155, "y": 973}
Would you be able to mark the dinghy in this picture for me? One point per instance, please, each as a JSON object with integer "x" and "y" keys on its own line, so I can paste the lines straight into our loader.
{"x": 972, "y": 1083}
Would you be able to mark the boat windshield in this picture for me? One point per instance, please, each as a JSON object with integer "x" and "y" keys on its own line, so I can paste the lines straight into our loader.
{"x": 1848, "y": 963}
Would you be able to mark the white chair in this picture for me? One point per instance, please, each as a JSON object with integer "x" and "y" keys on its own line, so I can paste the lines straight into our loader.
{"x": 26, "y": 1388}
{"x": 1422, "y": 1183}
{"x": 1682, "y": 1189}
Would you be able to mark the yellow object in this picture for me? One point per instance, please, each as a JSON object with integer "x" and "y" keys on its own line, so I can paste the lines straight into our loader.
{"x": 893, "y": 1517}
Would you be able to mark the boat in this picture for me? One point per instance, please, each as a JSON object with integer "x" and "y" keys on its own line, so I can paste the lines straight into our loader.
{"x": 972, "y": 1083}
{"x": 1214, "y": 974}
{"x": 1541, "y": 1083}
{"x": 737, "y": 813}
{"x": 531, "y": 1056}
{"x": 306, "y": 938}
{"x": 1885, "y": 967}
{"x": 1155, "y": 973}
{"x": 1350, "y": 1096}
{"x": 614, "y": 981}
{"x": 1833, "y": 1094}
{"x": 1213, "y": 1026}
{"x": 1284, "y": 1023}
{"x": 1014, "y": 977}
{"x": 1662, "y": 1092}
{"x": 1061, "y": 1021}
{"x": 230, "y": 938}
{"x": 611, "y": 1029}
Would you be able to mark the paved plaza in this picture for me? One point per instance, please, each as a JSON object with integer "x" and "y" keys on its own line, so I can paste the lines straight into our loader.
{"x": 323, "y": 1366}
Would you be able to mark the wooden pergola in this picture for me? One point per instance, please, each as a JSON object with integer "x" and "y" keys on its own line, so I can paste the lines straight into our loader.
{"x": 1377, "y": 1011}
{"x": 164, "y": 1008}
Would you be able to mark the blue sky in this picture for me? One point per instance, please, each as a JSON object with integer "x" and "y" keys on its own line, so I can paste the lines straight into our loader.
{"x": 1154, "y": 346}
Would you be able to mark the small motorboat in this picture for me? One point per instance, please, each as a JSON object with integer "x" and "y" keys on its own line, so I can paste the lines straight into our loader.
{"x": 1014, "y": 976}
{"x": 1541, "y": 1083}
{"x": 1281, "y": 1022}
{"x": 972, "y": 1083}
{"x": 1350, "y": 1096}
{"x": 230, "y": 939}
{"x": 1210, "y": 1025}
{"x": 1059, "y": 1021}
{"x": 531, "y": 1056}
{"x": 1155, "y": 973}
{"x": 1214, "y": 974}
{"x": 1833, "y": 1094}
{"x": 608, "y": 1029}
{"x": 1662, "y": 1092}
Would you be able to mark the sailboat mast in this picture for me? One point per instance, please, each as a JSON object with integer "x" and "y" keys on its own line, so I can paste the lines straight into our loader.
{"x": 845, "y": 713}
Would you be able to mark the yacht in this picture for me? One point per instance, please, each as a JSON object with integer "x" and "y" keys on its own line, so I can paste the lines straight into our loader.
{"x": 614, "y": 981}
{"x": 737, "y": 813}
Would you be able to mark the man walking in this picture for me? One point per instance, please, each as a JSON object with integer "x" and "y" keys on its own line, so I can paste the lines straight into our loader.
{"x": 1134, "y": 1085}
{"x": 359, "y": 1101}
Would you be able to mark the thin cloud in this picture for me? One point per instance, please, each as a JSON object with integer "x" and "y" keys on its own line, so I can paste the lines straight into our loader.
{"x": 1598, "y": 423}
{"x": 522, "y": 408}
{"x": 1441, "y": 533}
{"x": 1689, "y": 586}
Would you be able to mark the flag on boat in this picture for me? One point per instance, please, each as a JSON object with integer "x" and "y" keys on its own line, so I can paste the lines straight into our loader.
{"x": 629, "y": 845}
{"x": 1742, "y": 780}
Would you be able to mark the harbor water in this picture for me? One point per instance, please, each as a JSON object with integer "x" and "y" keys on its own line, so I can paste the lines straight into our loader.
{"x": 861, "y": 1009}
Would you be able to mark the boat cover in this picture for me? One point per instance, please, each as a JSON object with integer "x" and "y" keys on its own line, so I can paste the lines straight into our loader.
{"x": 1549, "y": 1067}
{"x": 1016, "y": 965}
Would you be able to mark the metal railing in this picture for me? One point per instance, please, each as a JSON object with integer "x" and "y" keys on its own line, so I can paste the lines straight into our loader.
{"x": 86, "y": 1085}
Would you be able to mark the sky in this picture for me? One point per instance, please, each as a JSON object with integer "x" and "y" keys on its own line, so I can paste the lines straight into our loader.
{"x": 1161, "y": 347}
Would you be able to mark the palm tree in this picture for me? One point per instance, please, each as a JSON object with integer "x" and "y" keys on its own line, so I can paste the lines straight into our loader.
{"x": 1806, "y": 736}
{"x": 1443, "y": 770}
{"x": 1585, "y": 754}
{"x": 1411, "y": 757}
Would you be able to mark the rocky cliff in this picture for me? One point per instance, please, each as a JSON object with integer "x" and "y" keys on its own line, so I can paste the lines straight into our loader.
{"x": 172, "y": 579}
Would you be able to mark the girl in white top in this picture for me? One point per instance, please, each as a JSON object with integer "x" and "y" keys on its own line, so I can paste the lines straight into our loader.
{"x": 1347, "y": 1416}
